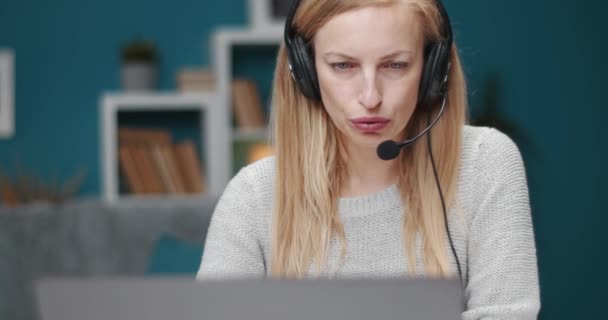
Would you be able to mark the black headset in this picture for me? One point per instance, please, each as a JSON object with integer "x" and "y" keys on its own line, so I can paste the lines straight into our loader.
{"x": 434, "y": 77}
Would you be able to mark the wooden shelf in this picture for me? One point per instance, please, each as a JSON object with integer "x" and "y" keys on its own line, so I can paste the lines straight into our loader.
{"x": 214, "y": 132}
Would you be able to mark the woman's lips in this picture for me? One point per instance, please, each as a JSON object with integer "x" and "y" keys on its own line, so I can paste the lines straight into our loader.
{"x": 370, "y": 124}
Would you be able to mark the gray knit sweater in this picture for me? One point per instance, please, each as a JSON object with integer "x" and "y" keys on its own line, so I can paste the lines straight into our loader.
{"x": 494, "y": 242}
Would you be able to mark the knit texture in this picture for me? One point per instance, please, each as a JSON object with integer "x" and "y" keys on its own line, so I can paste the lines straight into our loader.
{"x": 491, "y": 230}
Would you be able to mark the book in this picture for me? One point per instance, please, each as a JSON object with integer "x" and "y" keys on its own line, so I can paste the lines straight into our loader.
{"x": 163, "y": 169}
{"x": 247, "y": 105}
{"x": 175, "y": 174}
{"x": 147, "y": 169}
{"x": 190, "y": 167}
{"x": 128, "y": 166}
{"x": 140, "y": 144}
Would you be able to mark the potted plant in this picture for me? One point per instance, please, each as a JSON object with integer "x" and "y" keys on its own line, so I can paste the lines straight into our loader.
{"x": 139, "y": 65}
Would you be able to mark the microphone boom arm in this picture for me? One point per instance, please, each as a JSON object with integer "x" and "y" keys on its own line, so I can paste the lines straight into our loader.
{"x": 406, "y": 142}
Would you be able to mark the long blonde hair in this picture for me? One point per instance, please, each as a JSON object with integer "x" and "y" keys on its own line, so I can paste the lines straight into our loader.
{"x": 310, "y": 167}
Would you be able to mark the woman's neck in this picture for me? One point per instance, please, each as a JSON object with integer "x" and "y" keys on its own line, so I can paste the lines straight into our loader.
{"x": 366, "y": 173}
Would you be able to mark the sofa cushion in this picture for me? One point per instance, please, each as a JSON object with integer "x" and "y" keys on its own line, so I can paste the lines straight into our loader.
{"x": 172, "y": 255}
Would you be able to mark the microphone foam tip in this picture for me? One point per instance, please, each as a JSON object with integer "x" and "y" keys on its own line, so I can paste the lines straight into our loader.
{"x": 388, "y": 150}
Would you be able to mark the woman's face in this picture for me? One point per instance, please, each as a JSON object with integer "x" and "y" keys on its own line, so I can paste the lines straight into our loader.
{"x": 369, "y": 62}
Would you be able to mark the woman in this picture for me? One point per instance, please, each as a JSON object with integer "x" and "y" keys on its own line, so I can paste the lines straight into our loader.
{"x": 326, "y": 205}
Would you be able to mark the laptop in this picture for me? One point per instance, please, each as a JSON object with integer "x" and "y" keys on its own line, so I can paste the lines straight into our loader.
{"x": 252, "y": 299}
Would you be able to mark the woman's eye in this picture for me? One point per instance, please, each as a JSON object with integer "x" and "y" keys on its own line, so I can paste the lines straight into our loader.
{"x": 341, "y": 65}
{"x": 397, "y": 65}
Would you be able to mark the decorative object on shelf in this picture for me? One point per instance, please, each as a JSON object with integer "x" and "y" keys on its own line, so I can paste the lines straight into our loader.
{"x": 247, "y": 104}
{"x": 195, "y": 80}
{"x": 268, "y": 13}
{"x": 139, "y": 65}
{"x": 7, "y": 93}
{"x": 26, "y": 188}
{"x": 152, "y": 164}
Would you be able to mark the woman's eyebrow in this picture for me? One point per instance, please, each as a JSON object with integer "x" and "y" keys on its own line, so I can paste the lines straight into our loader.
{"x": 396, "y": 53}
{"x": 334, "y": 53}
{"x": 390, "y": 55}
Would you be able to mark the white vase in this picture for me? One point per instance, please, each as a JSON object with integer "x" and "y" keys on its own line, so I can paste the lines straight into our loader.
{"x": 139, "y": 76}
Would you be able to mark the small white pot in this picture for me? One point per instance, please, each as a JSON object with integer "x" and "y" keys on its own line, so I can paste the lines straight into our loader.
{"x": 139, "y": 76}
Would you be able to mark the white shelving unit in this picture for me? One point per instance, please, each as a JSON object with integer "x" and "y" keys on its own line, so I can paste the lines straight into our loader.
{"x": 222, "y": 44}
{"x": 260, "y": 15}
{"x": 214, "y": 130}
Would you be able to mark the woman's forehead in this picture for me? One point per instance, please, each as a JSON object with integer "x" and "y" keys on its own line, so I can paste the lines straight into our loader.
{"x": 371, "y": 30}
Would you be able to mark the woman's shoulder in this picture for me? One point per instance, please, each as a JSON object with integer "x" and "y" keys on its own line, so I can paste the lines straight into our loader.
{"x": 260, "y": 172}
{"x": 248, "y": 195}
{"x": 482, "y": 137}
{"x": 253, "y": 180}
{"x": 488, "y": 156}
{"x": 490, "y": 160}
{"x": 488, "y": 148}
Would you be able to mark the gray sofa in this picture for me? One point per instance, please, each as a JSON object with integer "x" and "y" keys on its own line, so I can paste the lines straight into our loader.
{"x": 87, "y": 238}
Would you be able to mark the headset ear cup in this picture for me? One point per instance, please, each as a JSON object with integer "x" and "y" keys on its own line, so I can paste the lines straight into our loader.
{"x": 308, "y": 82}
{"x": 434, "y": 74}
{"x": 427, "y": 76}
{"x": 440, "y": 74}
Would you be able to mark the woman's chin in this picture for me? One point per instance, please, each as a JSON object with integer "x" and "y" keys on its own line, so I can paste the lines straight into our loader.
{"x": 367, "y": 140}
{"x": 370, "y": 142}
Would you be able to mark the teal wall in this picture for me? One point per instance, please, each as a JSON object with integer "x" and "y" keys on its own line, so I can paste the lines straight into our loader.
{"x": 548, "y": 56}
{"x": 67, "y": 55}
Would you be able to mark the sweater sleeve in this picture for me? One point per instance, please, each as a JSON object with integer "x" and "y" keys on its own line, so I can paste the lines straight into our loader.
{"x": 503, "y": 276}
{"x": 232, "y": 248}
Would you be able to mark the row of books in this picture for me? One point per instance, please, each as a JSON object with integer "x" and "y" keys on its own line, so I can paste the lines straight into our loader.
{"x": 246, "y": 102}
{"x": 151, "y": 163}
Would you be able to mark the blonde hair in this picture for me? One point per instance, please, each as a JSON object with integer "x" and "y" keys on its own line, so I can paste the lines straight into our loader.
{"x": 310, "y": 167}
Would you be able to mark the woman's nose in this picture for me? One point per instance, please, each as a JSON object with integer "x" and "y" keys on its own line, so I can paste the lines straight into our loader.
{"x": 370, "y": 96}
